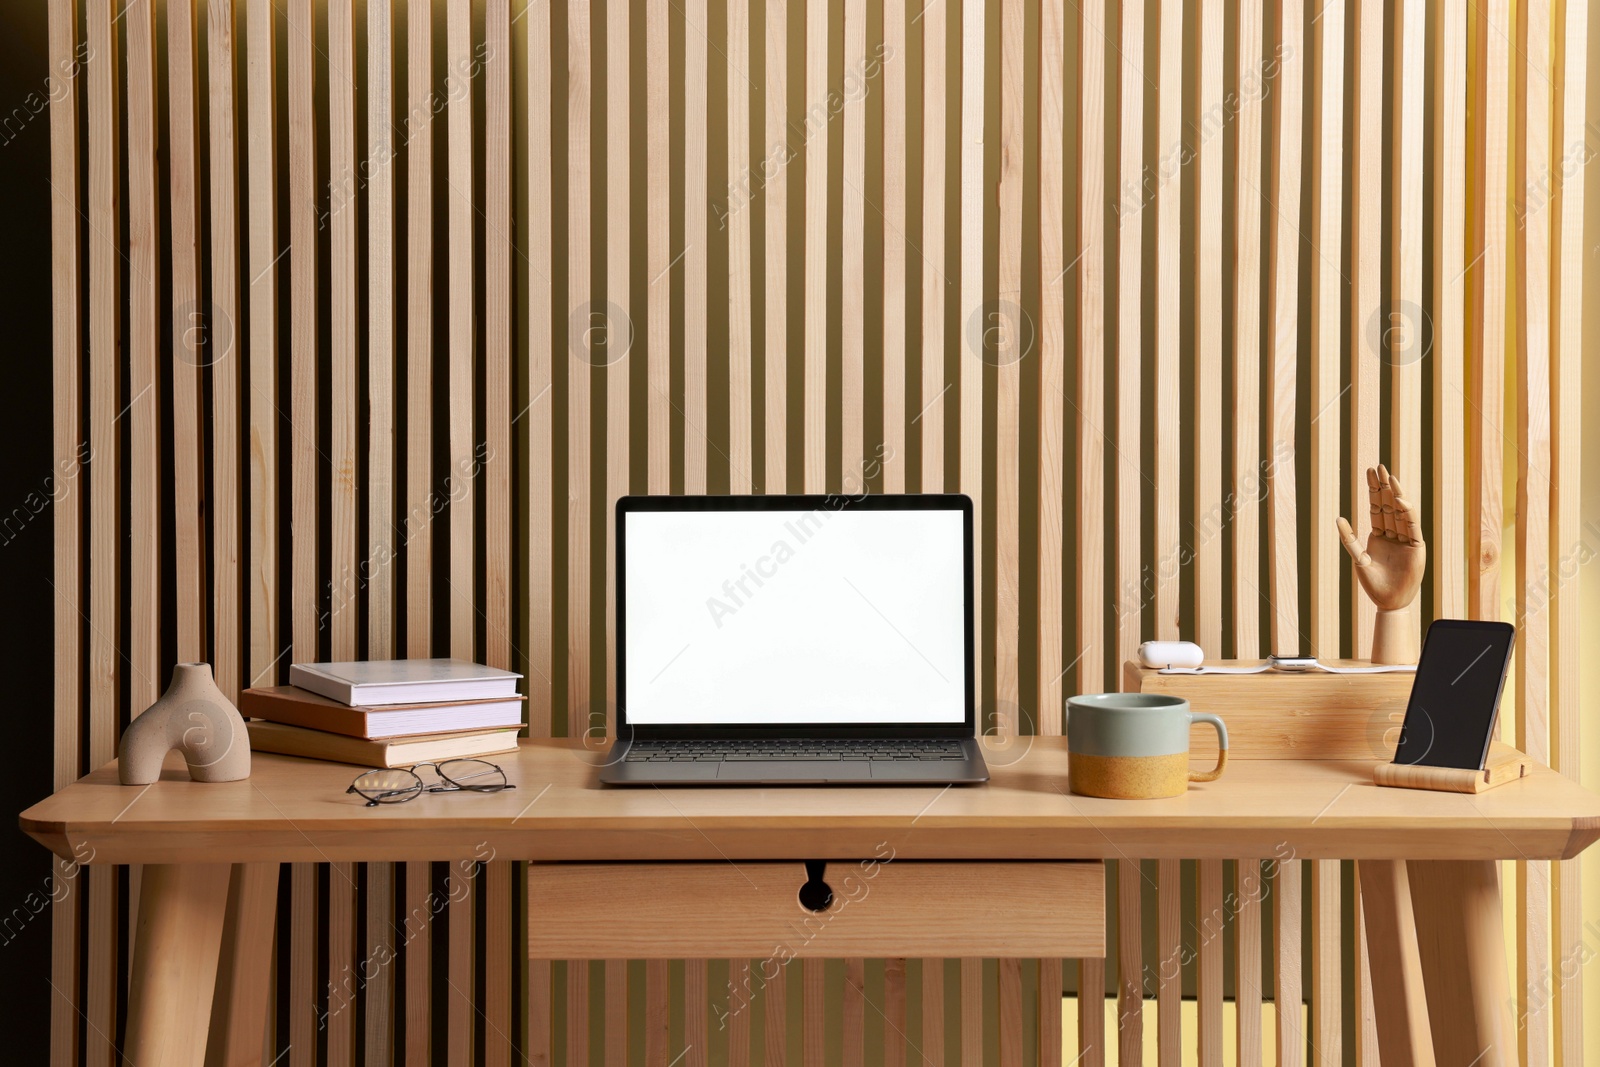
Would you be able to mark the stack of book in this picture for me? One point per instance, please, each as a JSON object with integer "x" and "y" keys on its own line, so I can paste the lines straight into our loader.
{"x": 386, "y": 713}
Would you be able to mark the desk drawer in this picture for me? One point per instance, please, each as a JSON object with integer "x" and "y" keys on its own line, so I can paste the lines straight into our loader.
{"x": 876, "y": 907}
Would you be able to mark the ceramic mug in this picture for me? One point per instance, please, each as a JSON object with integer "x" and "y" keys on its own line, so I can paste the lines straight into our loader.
{"x": 1135, "y": 746}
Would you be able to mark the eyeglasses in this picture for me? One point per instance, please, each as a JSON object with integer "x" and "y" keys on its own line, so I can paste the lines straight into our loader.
{"x": 396, "y": 785}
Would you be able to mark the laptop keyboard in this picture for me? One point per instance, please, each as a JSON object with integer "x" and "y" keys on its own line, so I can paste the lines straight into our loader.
{"x": 789, "y": 751}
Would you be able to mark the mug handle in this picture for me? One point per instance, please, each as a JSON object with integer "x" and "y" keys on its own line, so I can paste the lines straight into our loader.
{"x": 1222, "y": 746}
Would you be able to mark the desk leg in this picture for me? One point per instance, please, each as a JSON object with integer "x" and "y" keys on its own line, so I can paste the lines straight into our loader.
{"x": 1397, "y": 990}
{"x": 244, "y": 969}
{"x": 1461, "y": 944}
{"x": 177, "y": 939}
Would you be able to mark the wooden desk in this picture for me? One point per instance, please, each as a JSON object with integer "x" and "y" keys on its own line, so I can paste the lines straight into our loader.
{"x": 1435, "y": 849}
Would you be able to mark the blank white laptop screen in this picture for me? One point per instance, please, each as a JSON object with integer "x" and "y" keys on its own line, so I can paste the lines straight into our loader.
{"x": 794, "y": 617}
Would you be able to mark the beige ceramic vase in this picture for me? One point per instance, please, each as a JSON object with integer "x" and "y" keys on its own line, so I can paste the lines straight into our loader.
{"x": 194, "y": 717}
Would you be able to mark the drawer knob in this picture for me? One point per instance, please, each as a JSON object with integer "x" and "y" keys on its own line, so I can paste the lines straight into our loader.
{"x": 816, "y": 894}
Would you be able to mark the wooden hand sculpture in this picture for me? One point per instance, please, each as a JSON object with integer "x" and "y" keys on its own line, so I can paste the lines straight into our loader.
{"x": 1390, "y": 567}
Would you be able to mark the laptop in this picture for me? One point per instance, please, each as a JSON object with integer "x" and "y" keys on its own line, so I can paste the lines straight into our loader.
{"x": 794, "y": 639}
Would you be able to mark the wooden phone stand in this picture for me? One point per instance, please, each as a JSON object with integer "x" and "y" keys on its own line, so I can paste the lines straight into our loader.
{"x": 1504, "y": 764}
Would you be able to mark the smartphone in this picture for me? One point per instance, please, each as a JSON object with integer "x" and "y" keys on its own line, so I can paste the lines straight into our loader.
{"x": 1456, "y": 696}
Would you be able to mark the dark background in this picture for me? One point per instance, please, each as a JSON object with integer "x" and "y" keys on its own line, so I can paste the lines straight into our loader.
{"x": 26, "y": 648}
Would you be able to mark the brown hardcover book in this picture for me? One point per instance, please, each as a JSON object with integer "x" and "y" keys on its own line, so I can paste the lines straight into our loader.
{"x": 400, "y": 752}
{"x": 301, "y": 707}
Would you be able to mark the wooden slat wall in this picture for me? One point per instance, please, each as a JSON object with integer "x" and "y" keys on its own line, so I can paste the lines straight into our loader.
{"x": 978, "y": 216}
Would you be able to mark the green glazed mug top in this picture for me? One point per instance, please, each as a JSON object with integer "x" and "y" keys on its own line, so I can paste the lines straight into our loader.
{"x": 1133, "y": 724}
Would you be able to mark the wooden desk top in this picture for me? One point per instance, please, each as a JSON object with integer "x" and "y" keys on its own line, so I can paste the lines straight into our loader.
{"x": 297, "y": 810}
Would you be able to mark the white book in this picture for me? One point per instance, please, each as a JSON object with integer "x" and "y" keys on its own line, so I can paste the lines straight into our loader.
{"x": 403, "y": 681}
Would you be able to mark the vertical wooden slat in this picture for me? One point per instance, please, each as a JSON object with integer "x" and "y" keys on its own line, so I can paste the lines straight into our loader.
{"x": 973, "y": 195}
{"x": 265, "y": 247}
{"x": 1169, "y": 222}
{"x": 1208, "y": 513}
{"x": 972, "y": 1010}
{"x": 303, "y": 992}
{"x": 932, "y": 1002}
{"x": 1048, "y": 1028}
{"x": 1130, "y": 962}
{"x": 1090, "y": 267}
{"x": 340, "y": 928}
{"x": 617, "y": 323}
{"x": 1283, "y": 319}
{"x": 143, "y": 590}
{"x": 657, "y": 1011}
{"x": 894, "y": 1008}
{"x": 1326, "y": 1034}
{"x": 1008, "y": 353}
{"x": 775, "y": 350}
{"x": 1327, "y": 170}
{"x": 1566, "y": 535}
{"x": 538, "y": 1049}
{"x": 417, "y": 928}
{"x": 1245, "y": 490}
{"x": 1210, "y": 932}
{"x": 1367, "y": 325}
{"x": 69, "y": 451}
{"x": 853, "y": 1015}
{"x": 579, "y": 312}
{"x": 105, "y": 263}
{"x": 895, "y": 228}
{"x": 500, "y": 957}
{"x": 813, "y": 1012}
{"x": 1248, "y": 892}
{"x": 853, "y": 263}
{"x": 342, "y": 621}
{"x": 225, "y": 355}
{"x": 1286, "y": 991}
{"x": 540, "y": 413}
{"x": 1130, "y": 203}
{"x": 775, "y": 1014}
{"x": 463, "y": 355}
{"x": 577, "y": 1013}
{"x": 1052, "y": 359}
{"x": 381, "y": 949}
{"x": 1449, "y": 314}
{"x": 381, "y": 306}
{"x": 1405, "y": 325}
{"x": 1486, "y": 351}
{"x": 1052, "y": 355}
{"x": 499, "y": 312}
{"x": 191, "y": 323}
{"x": 419, "y": 334}
{"x": 935, "y": 284}
{"x": 341, "y": 221}
{"x": 741, "y": 478}
{"x": 1010, "y": 1002}
{"x": 1530, "y": 156}
{"x": 741, "y": 979}
{"x": 658, "y": 254}
{"x": 816, "y": 251}
{"x": 303, "y": 329}
{"x": 614, "y": 1030}
{"x": 1169, "y": 955}
{"x": 418, "y": 526}
{"x": 696, "y": 1033}
{"x": 1091, "y": 1013}
{"x": 696, "y": 236}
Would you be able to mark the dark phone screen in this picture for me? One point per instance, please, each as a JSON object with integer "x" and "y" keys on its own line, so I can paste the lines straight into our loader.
{"x": 1456, "y": 694}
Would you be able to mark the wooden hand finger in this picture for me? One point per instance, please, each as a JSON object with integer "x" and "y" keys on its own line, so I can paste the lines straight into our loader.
{"x": 1358, "y": 556}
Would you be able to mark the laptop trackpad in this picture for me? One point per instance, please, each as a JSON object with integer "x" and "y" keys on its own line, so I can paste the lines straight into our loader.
{"x": 792, "y": 771}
